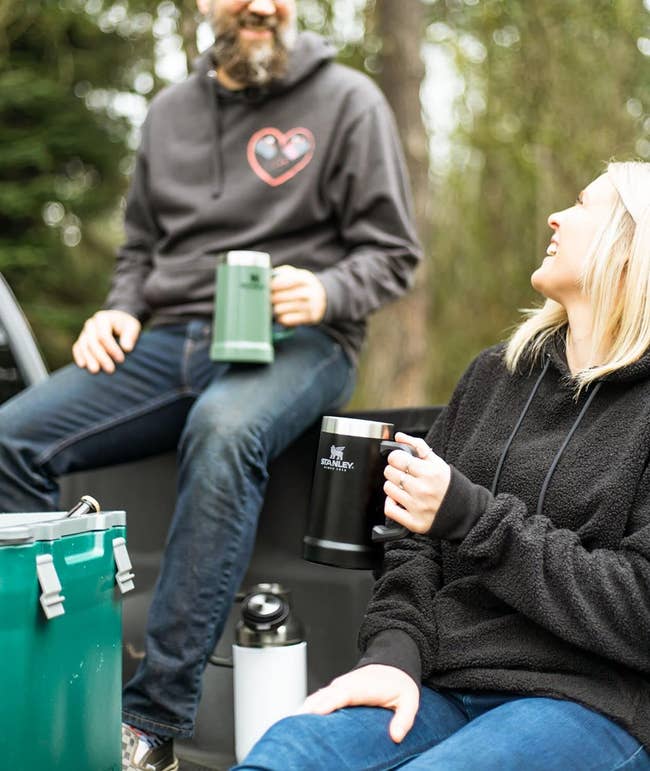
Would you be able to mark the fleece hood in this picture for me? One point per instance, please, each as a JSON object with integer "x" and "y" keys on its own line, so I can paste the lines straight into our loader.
{"x": 555, "y": 352}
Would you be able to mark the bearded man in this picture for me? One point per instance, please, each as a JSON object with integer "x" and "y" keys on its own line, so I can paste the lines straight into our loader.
{"x": 269, "y": 146}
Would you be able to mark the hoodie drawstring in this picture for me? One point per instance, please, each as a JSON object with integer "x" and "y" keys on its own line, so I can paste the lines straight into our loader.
{"x": 558, "y": 455}
{"x": 217, "y": 160}
{"x": 549, "y": 473}
{"x": 502, "y": 459}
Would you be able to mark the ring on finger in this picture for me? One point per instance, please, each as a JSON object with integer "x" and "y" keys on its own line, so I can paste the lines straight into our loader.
{"x": 401, "y": 481}
{"x": 408, "y": 466}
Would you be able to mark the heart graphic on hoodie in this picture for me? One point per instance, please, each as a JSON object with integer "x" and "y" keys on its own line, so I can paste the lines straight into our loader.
{"x": 277, "y": 156}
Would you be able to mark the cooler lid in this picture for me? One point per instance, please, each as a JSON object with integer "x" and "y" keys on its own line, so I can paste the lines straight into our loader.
{"x": 51, "y": 525}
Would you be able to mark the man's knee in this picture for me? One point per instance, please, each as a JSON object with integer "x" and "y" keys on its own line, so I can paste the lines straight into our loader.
{"x": 226, "y": 432}
{"x": 14, "y": 426}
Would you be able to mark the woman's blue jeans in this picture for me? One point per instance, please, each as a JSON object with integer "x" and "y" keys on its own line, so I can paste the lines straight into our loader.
{"x": 227, "y": 423}
{"x": 453, "y": 731}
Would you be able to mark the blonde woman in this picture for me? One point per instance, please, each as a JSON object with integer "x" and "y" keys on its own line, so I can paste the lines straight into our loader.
{"x": 512, "y": 629}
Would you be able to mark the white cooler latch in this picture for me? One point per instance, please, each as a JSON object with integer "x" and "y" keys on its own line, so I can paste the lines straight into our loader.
{"x": 124, "y": 576}
{"x": 51, "y": 599}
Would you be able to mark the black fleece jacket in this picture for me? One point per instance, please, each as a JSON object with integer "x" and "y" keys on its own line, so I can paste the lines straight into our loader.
{"x": 535, "y": 578}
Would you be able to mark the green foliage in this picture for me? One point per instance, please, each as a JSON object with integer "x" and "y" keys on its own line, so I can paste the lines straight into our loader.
{"x": 551, "y": 91}
{"x": 63, "y": 148}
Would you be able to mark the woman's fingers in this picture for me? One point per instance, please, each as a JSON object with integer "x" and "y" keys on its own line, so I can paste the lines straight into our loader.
{"x": 325, "y": 701}
{"x": 400, "y": 486}
{"x": 418, "y": 444}
{"x": 416, "y": 523}
{"x": 415, "y": 487}
{"x": 405, "y": 712}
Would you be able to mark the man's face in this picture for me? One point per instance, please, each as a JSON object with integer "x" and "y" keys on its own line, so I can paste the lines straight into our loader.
{"x": 253, "y": 38}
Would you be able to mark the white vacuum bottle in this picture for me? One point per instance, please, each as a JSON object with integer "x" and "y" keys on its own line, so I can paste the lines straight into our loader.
{"x": 270, "y": 664}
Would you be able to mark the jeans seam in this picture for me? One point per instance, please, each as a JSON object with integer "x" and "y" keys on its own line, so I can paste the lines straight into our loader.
{"x": 624, "y": 763}
{"x": 217, "y": 608}
{"x": 415, "y": 753}
{"x": 167, "y": 398}
{"x": 185, "y": 364}
{"x": 323, "y": 365}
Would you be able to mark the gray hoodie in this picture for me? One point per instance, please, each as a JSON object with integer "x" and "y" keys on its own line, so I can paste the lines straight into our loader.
{"x": 308, "y": 169}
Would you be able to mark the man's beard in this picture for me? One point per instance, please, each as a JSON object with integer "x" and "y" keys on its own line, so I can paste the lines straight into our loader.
{"x": 259, "y": 62}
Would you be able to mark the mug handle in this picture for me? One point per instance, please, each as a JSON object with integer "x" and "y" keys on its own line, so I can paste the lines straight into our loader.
{"x": 280, "y": 332}
{"x": 385, "y": 533}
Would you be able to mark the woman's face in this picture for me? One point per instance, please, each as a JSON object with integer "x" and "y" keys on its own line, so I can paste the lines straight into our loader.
{"x": 574, "y": 230}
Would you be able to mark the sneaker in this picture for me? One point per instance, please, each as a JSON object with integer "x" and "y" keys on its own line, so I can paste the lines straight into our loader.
{"x": 144, "y": 752}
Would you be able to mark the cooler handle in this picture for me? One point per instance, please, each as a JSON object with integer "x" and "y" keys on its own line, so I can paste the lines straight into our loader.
{"x": 51, "y": 599}
{"x": 124, "y": 575}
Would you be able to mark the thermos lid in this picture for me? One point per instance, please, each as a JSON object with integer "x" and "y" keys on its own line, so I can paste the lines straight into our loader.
{"x": 264, "y": 610}
{"x": 368, "y": 429}
{"x": 249, "y": 259}
{"x": 266, "y": 619}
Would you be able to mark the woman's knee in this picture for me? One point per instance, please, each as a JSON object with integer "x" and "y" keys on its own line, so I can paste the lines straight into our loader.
{"x": 288, "y": 744}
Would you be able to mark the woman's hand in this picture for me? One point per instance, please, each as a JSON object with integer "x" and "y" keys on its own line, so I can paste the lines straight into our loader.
{"x": 415, "y": 487}
{"x": 375, "y": 685}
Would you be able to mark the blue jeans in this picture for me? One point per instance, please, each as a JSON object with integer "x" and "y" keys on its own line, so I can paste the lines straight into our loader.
{"x": 228, "y": 422}
{"x": 453, "y": 731}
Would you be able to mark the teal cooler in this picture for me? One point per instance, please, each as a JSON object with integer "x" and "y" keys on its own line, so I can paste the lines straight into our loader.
{"x": 61, "y": 584}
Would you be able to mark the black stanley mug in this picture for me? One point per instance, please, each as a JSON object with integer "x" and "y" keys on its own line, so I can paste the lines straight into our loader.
{"x": 346, "y": 526}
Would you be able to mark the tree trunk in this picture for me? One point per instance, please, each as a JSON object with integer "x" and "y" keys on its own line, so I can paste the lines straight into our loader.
{"x": 394, "y": 368}
{"x": 189, "y": 21}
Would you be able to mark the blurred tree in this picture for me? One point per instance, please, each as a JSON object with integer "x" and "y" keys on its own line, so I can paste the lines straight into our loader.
{"x": 392, "y": 372}
{"x": 546, "y": 93}
{"x": 64, "y": 66}
{"x": 549, "y": 92}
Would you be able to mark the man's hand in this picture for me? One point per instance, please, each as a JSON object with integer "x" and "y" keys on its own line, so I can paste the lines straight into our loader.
{"x": 96, "y": 347}
{"x": 375, "y": 685}
{"x": 297, "y": 296}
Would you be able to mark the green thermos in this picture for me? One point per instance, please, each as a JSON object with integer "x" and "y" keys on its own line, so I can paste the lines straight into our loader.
{"x": 242, "y": 330}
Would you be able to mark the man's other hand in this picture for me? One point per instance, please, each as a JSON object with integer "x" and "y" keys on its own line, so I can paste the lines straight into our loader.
{"x": 96, "y": 347}
{"x": 297, "y": 296}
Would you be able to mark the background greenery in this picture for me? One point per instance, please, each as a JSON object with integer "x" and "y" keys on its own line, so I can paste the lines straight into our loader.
{"x": 522, "y": 104}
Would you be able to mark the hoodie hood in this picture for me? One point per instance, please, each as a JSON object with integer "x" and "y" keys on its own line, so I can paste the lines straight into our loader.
{"x": 555, "y": 351}
{"x": 309, "y": 53}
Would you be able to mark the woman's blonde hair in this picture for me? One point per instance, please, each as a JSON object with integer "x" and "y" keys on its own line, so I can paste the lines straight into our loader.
{"x": 616, "y": 279}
